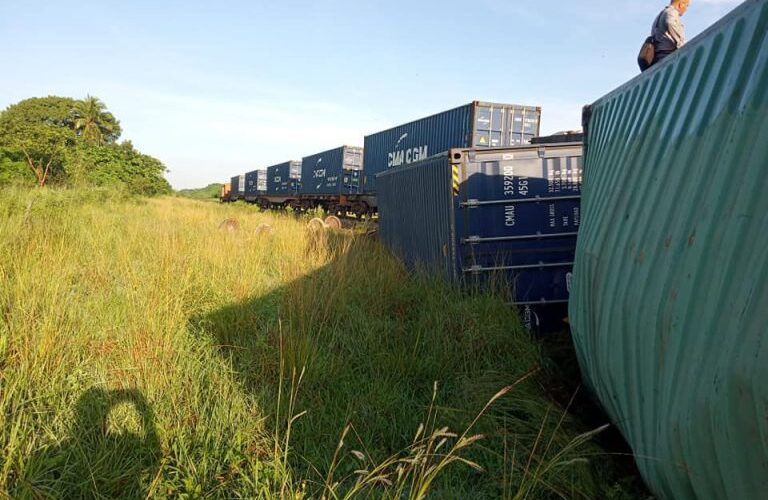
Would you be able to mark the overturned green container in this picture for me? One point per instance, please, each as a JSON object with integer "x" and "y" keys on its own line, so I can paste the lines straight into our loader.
{"x": 669, "y": 301}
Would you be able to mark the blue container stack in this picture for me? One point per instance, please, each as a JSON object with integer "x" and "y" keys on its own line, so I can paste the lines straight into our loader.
{"x": 336, "y": 171}
{"x": 479, "y": 215}
{"x": 477, "y": 124}
{"x": 284, "y": 178}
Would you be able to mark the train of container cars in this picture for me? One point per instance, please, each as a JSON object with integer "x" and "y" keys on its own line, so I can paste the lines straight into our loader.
{"x": 343, "y": 180}
{"x": 472, "y": 193}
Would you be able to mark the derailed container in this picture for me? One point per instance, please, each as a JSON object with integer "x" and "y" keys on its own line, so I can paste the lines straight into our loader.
{"x": 481, "y": 215}
{"x": 255, "y": 184}
{"x": 284, "y": 178}
{"x": 332, "y": 172}
{"x": 474, "y": 125}
{"x": 669, "y": 305}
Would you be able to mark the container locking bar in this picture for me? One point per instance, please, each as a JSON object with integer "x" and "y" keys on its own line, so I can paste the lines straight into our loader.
{"x": 538, "y": 236}
{"x": 480, "y": 269}
{"x": 536, "y": 199}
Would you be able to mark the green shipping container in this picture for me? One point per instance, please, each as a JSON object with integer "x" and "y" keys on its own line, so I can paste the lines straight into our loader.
{"x": 669, "y": 301}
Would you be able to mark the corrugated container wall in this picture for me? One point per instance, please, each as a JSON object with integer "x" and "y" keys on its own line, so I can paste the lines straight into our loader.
{"x": 670, "y": 297}
{"x": 477, "y": 124}
{"x": 283, "y": 179}
{"x": 255, "y": 183}
{"x": 330, "y": 172}
{"x": 476, "y": 215}
{"x": 235, "y": 185}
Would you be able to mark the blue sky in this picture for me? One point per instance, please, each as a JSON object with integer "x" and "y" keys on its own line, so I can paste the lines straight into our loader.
{"x": 214, "y": 89}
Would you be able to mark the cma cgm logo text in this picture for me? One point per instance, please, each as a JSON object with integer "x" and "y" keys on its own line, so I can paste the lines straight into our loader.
{"x": 410, "y": 155}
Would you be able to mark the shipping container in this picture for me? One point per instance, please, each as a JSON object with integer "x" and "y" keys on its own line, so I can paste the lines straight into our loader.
{"x": 669, "y": 305}
{"x": 237, "y": 187}
{"x": 255, "y": 184}
{"x": 478, "y": 215}
{"x": 284, "y": 178}
{"x": 477, "y": 124}
{"x": 332, "y": 172}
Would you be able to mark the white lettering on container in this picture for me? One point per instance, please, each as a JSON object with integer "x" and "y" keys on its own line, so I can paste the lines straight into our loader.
{"x": 407, "y": 156}
{"x": 522, "y": 186}
{"x": 509, "y": 216}
{"x": 509, "y": 180}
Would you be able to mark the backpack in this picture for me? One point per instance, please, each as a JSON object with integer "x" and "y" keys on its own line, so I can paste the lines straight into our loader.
{"x": 647, "y": 54}
{"x": 648, "y": 49}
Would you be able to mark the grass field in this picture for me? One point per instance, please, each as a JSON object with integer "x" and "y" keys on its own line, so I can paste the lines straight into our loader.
{"x": 146, "y": 353}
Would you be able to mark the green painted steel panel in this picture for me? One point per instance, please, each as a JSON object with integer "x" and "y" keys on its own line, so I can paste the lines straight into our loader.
{"x": 669, "y": 302}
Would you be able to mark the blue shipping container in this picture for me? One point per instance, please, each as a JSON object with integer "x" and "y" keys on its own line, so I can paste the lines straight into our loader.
{"x": 474, "y": 125}
{"x": 283, "y": 179}
{"x": 237, "y": 187}
{"x": 332, "y": 172}
{"x": 255, "y": 183}
{"x": 473, "y": 214}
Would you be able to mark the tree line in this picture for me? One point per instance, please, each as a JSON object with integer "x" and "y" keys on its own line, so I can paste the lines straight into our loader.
{"x": 72, "y": 142}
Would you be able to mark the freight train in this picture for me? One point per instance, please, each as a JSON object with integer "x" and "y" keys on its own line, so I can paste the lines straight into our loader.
{"x": 473, "y": 193}
{"x": 342, "y": 181}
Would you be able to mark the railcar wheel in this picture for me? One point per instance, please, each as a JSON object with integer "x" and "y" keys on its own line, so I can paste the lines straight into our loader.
{"x": 230, "y": 225}
{"x": 316, "y": 225}
{"x": 333, "y": 222}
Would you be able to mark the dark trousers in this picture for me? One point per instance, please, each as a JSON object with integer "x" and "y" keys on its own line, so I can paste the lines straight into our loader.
{"x": 661, "y": 54}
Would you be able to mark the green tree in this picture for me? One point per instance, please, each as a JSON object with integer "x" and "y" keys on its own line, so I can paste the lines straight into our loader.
{"x": 117, "y": 165}
{"x": 37, "y": 131}
{"x": 94, "y": 123}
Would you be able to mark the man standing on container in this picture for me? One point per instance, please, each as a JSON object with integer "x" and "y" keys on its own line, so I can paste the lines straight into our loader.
{"x": 668, "y": 31}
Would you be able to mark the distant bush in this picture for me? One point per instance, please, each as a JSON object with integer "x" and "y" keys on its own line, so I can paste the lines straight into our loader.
{"x": 208, "y": 192}
{"x": 13, "y": 171}
{"x": 116, "y": 165}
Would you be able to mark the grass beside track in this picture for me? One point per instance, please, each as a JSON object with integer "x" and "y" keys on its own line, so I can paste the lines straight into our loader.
{"x": 146, "y": 353}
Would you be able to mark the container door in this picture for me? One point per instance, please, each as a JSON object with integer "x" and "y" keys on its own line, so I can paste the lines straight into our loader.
{"x": 517, "y": 217}
{"x": 489, "y": 126}
{"x": 351, "y": 181}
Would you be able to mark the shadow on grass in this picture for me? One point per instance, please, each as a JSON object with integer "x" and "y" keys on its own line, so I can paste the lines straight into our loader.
{"x": 373, "y": 341}
{"x": 93, "y": 461}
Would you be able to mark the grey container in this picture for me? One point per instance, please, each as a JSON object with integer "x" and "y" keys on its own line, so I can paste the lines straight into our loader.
{"x": 477, "y": 124}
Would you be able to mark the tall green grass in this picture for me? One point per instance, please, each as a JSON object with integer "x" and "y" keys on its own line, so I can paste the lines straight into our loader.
{"x": 145, "y": 353}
